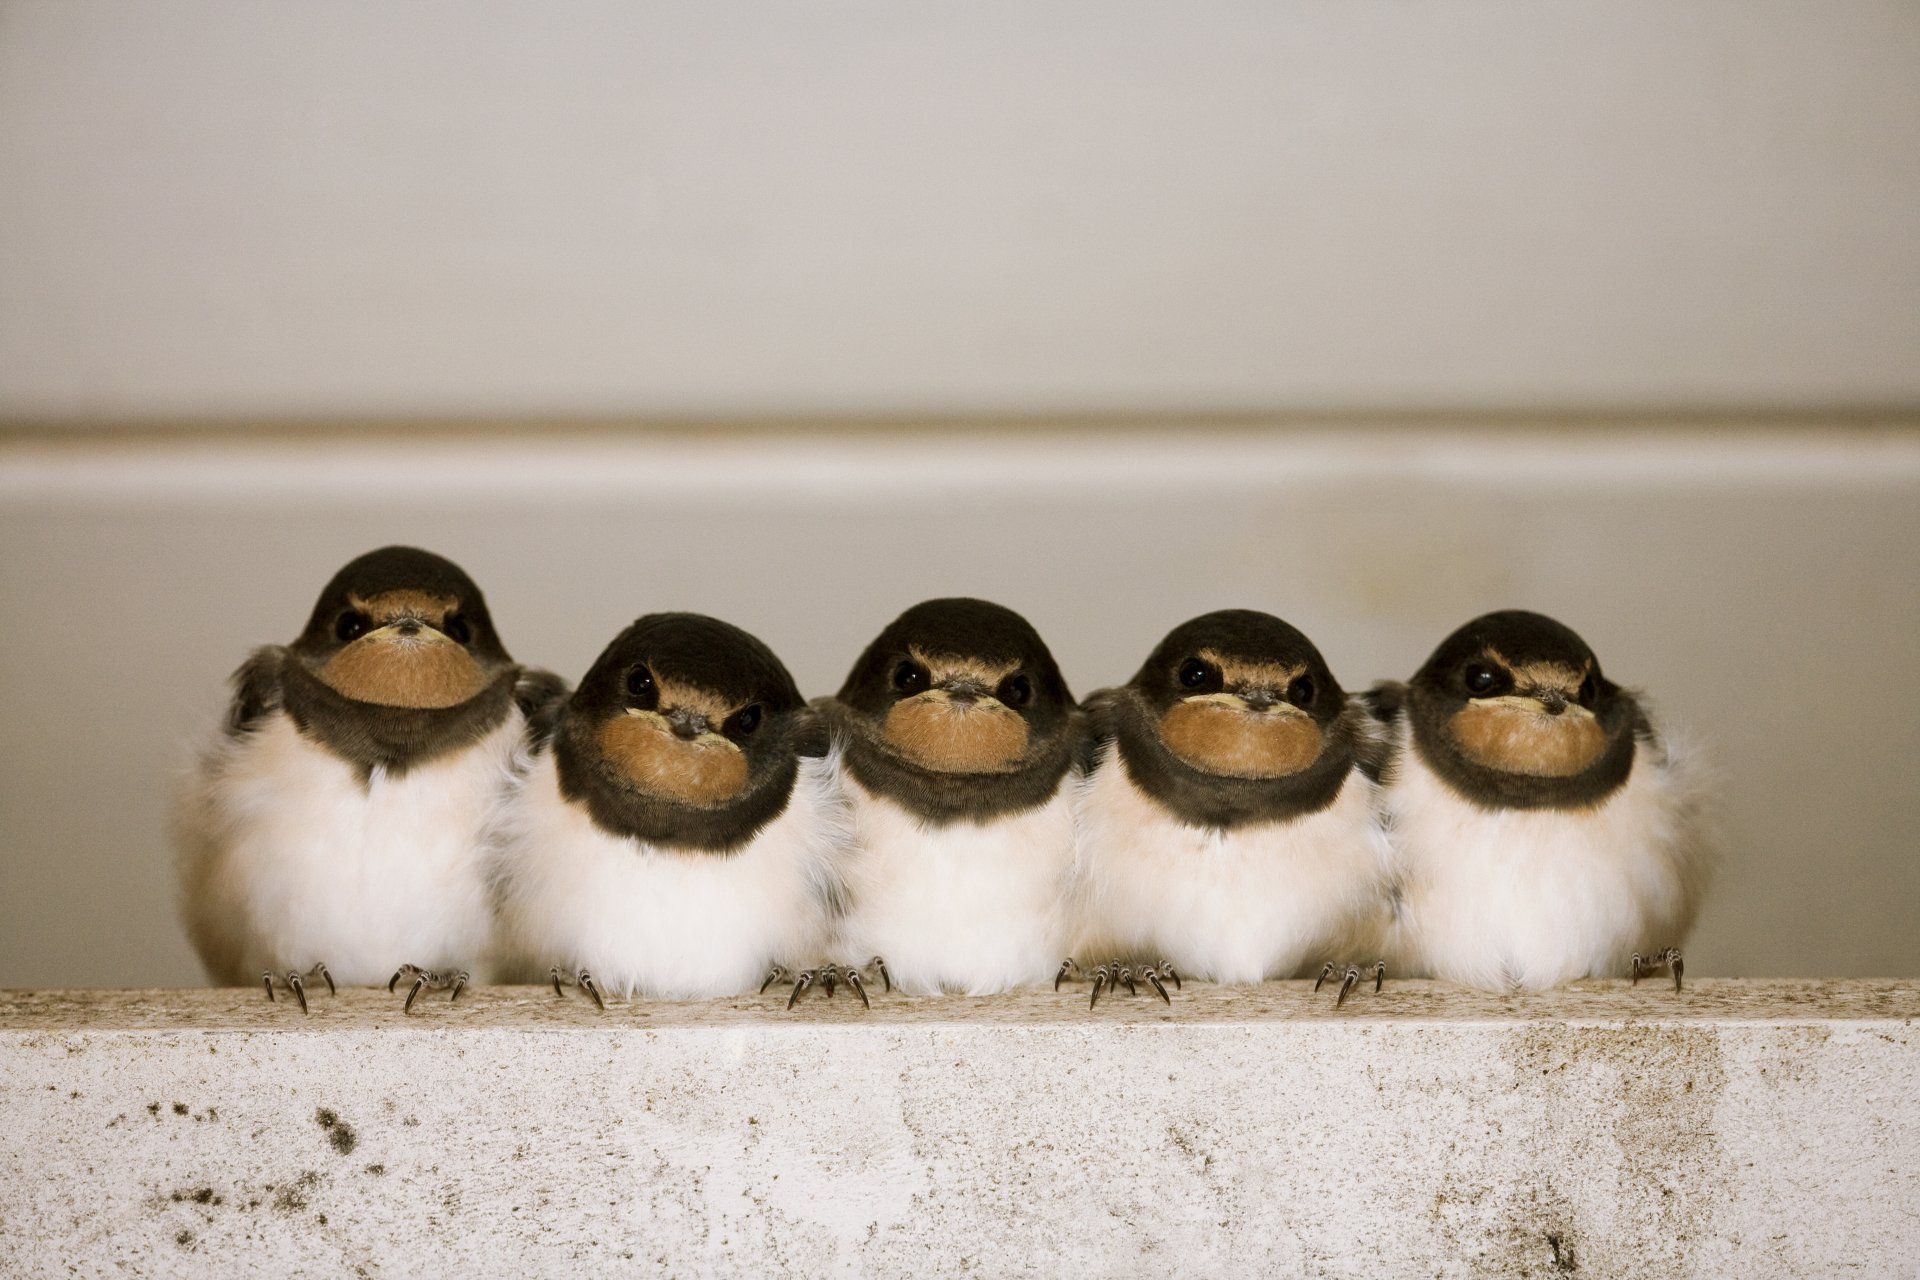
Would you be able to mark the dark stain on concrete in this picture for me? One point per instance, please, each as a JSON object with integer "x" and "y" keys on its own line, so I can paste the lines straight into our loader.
{"x": 199, "y": 1195}
{"x": 1635, "y": 1099}
{"x": 153, "y": 1108}
{"x": 339, "y": 1132}
{"x": 377, "y": 1170}
{"x": 179, "y": 1108}
{"x": 1564, "y": 1263}
{"x": 184, "y": 1238}
{"x": 292, "y": 1198}
{"x": 1203, "y": 1160}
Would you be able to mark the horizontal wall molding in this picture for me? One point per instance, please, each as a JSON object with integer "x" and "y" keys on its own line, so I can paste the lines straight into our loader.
{"x": 1738, "y": 1128}
{"x": 1717, "y": 416}
{"x": 1715, "y": 419}
{"x": 852, "y": 469}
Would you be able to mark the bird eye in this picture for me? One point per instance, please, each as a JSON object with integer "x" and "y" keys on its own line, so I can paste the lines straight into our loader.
{"x": 744, "y": 721}
{"x": 456, "y": 628}
{"x": 1196, "y": 672}
{"x": 909, "y": 677}
{"x": 640, "y": 687}
{"x": 1481, "y": 679}
{"x": 1589, "y": 690}
{"x": 1300, "y": 692}
{"x": 1015, "y": 691}
{"x": 351, "y": 625}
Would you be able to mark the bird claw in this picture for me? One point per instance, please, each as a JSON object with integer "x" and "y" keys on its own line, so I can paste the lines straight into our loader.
{"x": 1152, "y": 978}
{"x": 427, "y": 980}
{"x": 296, "y": 982}
{"x": 806, "y": 979}
{"x": 829, "y": 977}
{"x": 1350, "y": 976}
{"x": 580, "y": 978}
{"x": 1669, "y": 959}
{"x": 1114, "y": 974}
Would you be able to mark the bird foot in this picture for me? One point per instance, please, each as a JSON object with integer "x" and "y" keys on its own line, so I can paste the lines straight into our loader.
{"x": 1114, "y": 974}
{"x": 296, "y": 982}
{"x": 427, "y": 980}
{"x": 561, "y": 980}
{"x": 828, "y": 977}
{"x": 1350, "y": 975}
{"x": 1669, "y": 959}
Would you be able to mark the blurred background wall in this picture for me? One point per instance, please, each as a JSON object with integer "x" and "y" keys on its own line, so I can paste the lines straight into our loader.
{"x": 1375, "y": 315}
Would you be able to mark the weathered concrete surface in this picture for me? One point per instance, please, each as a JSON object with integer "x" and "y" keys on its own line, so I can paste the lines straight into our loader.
{"x": 1743, "y": 1129}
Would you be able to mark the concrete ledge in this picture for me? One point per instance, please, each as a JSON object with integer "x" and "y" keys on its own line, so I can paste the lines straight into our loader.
{"x": 1743, "y": 1128}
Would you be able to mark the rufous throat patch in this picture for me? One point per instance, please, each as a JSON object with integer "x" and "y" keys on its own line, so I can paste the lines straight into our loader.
{"x": 425, "y": 671}
{"x": 1216, "y": 737}
{"x": 956, "y": 737}
{"x": 706, "y": 771}
{"x": 1516, "y": 740}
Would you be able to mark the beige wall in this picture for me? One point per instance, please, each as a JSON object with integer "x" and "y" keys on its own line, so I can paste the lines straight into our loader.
{"x": 1762, "y": 587}
{"x": 716, "y": 207}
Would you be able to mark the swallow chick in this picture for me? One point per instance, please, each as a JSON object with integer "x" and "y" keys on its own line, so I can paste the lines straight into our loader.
{"x": 676, "y": 829}
{"x": 1228, "y": 828}
{"x": 959, "y": 741}
{"x": 1542, "y": 829}
{"x": 335, "y": 830}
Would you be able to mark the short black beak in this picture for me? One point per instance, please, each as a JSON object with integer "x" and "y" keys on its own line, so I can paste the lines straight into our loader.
{"x": 1258, "y": 699}
{"x": 1553, "y": 700}
{"x": 408, "y": 626}
{"x": 964, "y": 690}
{"x": 686, "y": 725}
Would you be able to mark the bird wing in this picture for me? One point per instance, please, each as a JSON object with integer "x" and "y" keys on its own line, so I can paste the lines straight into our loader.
{"x": 256, "y": 689}
{"x": 539, "y": 694}
{"x": 1096, "y": 730}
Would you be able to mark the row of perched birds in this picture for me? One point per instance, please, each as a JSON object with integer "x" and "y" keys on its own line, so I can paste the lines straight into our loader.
{"x": 394, "y": 800}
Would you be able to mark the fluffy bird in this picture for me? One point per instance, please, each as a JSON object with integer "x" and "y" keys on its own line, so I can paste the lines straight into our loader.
{"x": 1543, "y": 830}
{"x": 676, "y": 829}
{"x": 335, "y": 830}
{"x": 1228, "y": 828}
{"x": 959, "y": 741}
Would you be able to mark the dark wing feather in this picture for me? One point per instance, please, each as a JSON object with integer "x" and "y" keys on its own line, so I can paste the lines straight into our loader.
{"x": 813, "y": 736}
{"x": 1385, "y": 701}
{"x": 256, "y": 689}
{"x": 540, "y": 695}
{"x": 1097, "y": 730}
{"x": 1384, "y": 704}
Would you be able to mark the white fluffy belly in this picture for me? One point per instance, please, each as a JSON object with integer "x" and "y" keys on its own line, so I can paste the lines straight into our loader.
{"x": 1228, "y": 906}
{"x": 289, "y": 859}
{"x": 656, "y": 921}
{"x": 1530, "y": 899}
{"x": 966, "y": 907}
